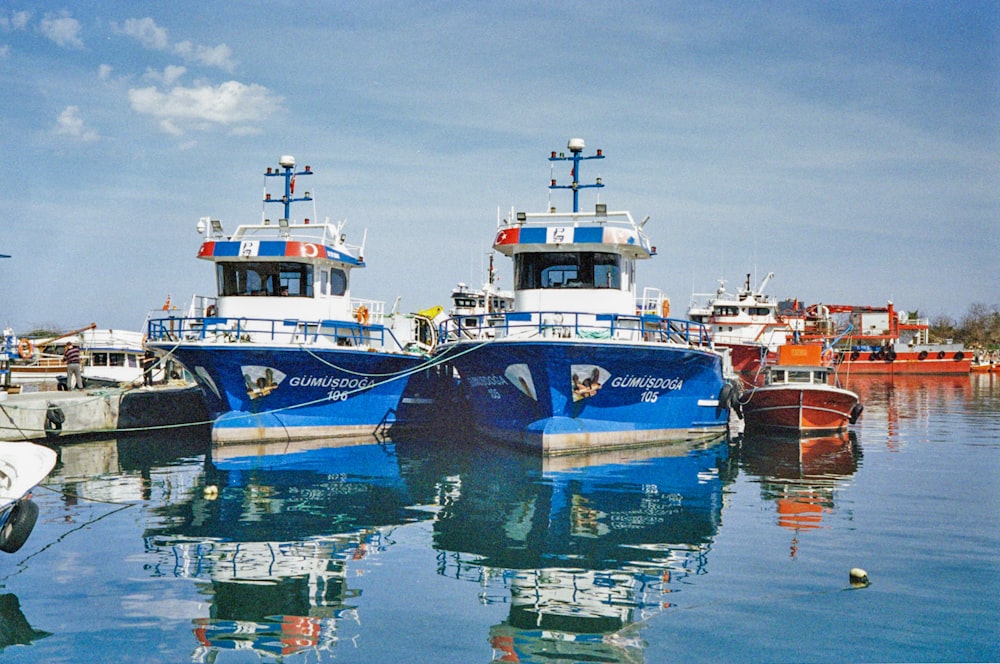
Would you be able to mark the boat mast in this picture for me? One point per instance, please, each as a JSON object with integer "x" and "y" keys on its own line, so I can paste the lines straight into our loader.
{"x": 287, "y": 162}
{"x": 575, "y": 146}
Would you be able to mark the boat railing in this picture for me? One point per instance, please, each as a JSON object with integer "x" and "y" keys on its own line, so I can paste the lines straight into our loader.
{"x": 326, "y": 234}
{"x": 372, "y": 310}
{"x": 574, "y": 325}
{"x": 287, "y": 331}
{"x": 607, "y": 218}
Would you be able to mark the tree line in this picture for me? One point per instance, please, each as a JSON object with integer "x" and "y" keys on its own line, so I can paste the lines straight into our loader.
{"x": 978, "y": 328}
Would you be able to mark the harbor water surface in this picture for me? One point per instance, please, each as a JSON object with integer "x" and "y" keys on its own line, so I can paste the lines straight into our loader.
{"x": 155, "y": 548}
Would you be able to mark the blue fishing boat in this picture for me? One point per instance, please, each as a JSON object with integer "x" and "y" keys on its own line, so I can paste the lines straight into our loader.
{"x": 581, "y": 363}
{"x": 283, "y": 351}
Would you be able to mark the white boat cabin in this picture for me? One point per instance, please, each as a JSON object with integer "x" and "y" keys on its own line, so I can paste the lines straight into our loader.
{"x": 575, "y": 261}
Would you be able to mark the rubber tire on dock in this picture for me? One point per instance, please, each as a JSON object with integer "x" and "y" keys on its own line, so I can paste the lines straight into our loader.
{"x": 19, "y": 525}
{"x": 54, "y": 418}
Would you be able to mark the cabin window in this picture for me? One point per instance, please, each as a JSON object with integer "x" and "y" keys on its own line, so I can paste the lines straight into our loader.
{"x": 338, "y": 282}
{"x": 759, "y": 311}
{"x": 98, "y": 359}
{"x": 260, "y": 278}
{"x": 296, "y": 280}
{"x": 567, "y": 270}
{"x": 799, "y": 376}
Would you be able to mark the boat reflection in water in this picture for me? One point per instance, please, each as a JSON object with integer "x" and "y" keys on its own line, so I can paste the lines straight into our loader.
{"x": 583, "y": 553}
{"x": 580, "y": 548}
{"x": 800, "y": 475}
{"x": 272, "y": 539}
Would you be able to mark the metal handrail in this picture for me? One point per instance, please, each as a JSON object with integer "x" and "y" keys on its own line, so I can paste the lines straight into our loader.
{"x": 574, "y": 325}
{"x": 268, "y": 330}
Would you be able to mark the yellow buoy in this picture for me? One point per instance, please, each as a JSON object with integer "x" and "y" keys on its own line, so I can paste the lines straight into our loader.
{"x": 211, "y": 492}
{"x": 859, "y": 578}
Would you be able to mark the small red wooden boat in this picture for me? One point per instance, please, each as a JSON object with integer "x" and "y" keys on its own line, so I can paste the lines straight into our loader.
{"x": 798, "y": 395}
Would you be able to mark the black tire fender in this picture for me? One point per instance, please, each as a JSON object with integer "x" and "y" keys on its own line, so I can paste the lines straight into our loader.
{"x": 54, "y": 418}
{"x": 14, "y": 532}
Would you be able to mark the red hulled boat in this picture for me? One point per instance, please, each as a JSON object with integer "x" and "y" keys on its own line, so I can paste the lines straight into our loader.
{"x": 798, "y": 395}
{"x": 882, "y": 341}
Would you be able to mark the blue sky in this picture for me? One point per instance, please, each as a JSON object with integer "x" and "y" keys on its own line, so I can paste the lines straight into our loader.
{"x": 852, "y": 148}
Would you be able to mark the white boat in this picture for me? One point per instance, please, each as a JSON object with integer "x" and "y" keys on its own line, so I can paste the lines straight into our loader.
{"x": 108, "y": 356}
{"x": 487, "y": 300}
{"x": 22, "y": 467}
{"x": 747, "y": 322}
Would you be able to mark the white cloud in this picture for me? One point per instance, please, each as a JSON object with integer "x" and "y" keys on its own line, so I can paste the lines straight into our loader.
{"x": 70, "y": 123}
{"x": 146, "y": 32}
{"x": 152, "y": 36}
{"x": 62, "y": 29}
{"x": 213, "y": 56}
{"x": 202, "y": 106}
{"x": 16, "y": 21}
{"x": 170, "y": 74}
{"x": 104, "y": 72}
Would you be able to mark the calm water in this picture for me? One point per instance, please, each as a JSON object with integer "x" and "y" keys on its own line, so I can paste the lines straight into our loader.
{"x": 152, "y": 549}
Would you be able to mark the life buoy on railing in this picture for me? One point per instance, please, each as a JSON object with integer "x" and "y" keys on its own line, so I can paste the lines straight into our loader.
{"x": 211, "y": 310}
{"x": 665, "y": 308}
{"x": 25, "y": 348}
{"x": 361, "y": 315}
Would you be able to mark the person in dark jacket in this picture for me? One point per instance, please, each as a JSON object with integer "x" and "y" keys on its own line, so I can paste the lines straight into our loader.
{"x": 148, "y": 362}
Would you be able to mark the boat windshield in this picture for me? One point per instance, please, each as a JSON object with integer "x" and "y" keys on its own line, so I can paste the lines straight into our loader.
{"x": 567, "y": 270}
{"x": 798, "y": 376}
{"x": 265, "y": 278}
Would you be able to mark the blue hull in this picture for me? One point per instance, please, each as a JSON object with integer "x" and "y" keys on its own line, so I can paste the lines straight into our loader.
{"x": 577, "y": 396}
{"x": 279, "y": 394}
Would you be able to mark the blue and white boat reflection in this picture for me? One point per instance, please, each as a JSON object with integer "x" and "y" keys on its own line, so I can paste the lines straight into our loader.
{"x": 273, "y": 535}
{"x": 579, "y": 548}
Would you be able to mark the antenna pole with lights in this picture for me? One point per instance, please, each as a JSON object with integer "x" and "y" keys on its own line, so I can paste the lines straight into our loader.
{"x": 287, "y": 171}
{"x": 575, "y": 146}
